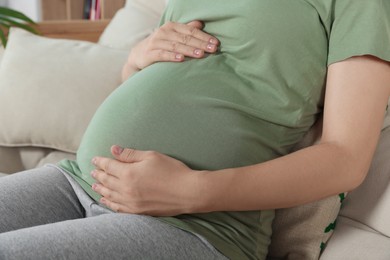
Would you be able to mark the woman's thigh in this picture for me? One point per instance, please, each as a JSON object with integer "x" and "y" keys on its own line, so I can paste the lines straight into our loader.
{"x": 36, "y": 197}
{"x": 108, "y": 236}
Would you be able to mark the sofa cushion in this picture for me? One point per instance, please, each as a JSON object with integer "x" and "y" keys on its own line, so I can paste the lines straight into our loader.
{"x": 54, "y": 157}
{"x": 1, "y": 53}
{"x": 353, "y": 240}
{"x": 10, "y": 160}
{"x": 132, "y": 23}
{"x": 50, "y": 88}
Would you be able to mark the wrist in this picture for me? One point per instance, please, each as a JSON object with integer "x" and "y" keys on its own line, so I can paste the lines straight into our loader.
{"x": 201, "y": 198}
{"x": 210, "y": 190}
{"x": 128, "y": 70}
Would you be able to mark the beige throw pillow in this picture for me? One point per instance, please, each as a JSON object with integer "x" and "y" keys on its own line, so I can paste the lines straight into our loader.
{"x": 1, "y": 53}
{"x": 50, "y": 89}
{"x": 132, "y": 23}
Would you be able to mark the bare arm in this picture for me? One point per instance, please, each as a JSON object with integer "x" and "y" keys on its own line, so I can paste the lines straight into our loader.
{"x": 151, "y": 183}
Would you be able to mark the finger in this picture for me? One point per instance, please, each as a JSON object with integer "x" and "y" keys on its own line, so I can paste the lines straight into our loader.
{"x": 195, "y": 32}
{"x": 108, "y": 180}
{"x": 161, "y": 55}
{"x": 108, "y": 166}
{"x": 172, "y": 48}
{"x": 197, "y": 24}
{"x": 115, "y": 206}
{"x": 178, "y": 39}
{"x": 127, "y": 155}
{"x": 106, "y": 192}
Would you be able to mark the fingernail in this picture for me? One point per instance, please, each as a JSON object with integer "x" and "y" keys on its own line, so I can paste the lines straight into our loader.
{"x": 94, "y": 160}
{"x": 94, "y": 186}
{"x": 179, "y": 56}
{"x": 197, "y": 52}
{"x": 118, "y": 150}
{"x": 93, "y": 173}
{"x": 210, "y": 47}
{"x": 213, "y": 41}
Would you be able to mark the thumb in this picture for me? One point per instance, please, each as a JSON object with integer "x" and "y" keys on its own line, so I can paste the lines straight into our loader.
{"x": 125, "y": 154}
{"x": 196, "y": 24}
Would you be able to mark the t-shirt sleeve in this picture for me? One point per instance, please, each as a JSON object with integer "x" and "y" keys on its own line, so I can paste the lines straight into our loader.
{"x": 359, "y": 27}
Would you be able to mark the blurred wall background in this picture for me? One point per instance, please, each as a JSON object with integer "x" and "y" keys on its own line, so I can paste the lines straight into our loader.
{"x": 31, "y": 8}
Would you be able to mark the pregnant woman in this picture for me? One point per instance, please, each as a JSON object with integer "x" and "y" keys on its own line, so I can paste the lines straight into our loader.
{"x": 191, "y": 155}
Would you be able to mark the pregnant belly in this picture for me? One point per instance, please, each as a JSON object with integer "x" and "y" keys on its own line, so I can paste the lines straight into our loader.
{"x": 196, "y": 116}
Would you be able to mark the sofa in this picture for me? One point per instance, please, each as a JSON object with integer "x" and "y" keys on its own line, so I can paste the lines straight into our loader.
{"x": 50, "y": 88}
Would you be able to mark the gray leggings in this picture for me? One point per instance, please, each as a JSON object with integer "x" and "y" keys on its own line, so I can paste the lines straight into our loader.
{"x": 41, "y": 217}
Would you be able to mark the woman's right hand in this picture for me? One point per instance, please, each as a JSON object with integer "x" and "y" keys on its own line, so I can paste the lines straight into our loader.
{"x": 171, "y": 42}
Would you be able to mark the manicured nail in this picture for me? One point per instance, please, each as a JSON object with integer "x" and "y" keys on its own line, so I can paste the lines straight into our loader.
{"x": 117, "y": 149}
{"x": 213, "y": 41}
{"x": 94, "y": 160}
{"x": 210, "y": 47}
{"x": 93, "y": 173}
{"x": 178, "y": 56}
{"x": 94, "y": 186}
{"x": 197, "y": 52}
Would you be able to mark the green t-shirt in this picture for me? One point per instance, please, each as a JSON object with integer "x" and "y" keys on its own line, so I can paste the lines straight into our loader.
{"x": 249, "y": 103}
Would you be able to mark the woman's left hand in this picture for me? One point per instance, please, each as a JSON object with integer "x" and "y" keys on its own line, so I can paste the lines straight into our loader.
{"x": 144, "y": 182}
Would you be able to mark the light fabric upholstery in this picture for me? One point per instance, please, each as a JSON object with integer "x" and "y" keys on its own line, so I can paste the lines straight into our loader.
{"x": 9, "y": 157}
{"x": 1, "y": 161}
{"x": 55, "y": 156}
{"x": 50, "y": 89}
{"x": 10, "y": 160}
{"x": 15, "y": 159}
{"x": 33, "y": 157}
{"x": 132, "y": 23}
{"x": 353, "y": 240}
{"x": 1, "y": 53}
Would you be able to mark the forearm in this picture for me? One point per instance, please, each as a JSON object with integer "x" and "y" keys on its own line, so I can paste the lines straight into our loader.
{"x": 301, "y": 177}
